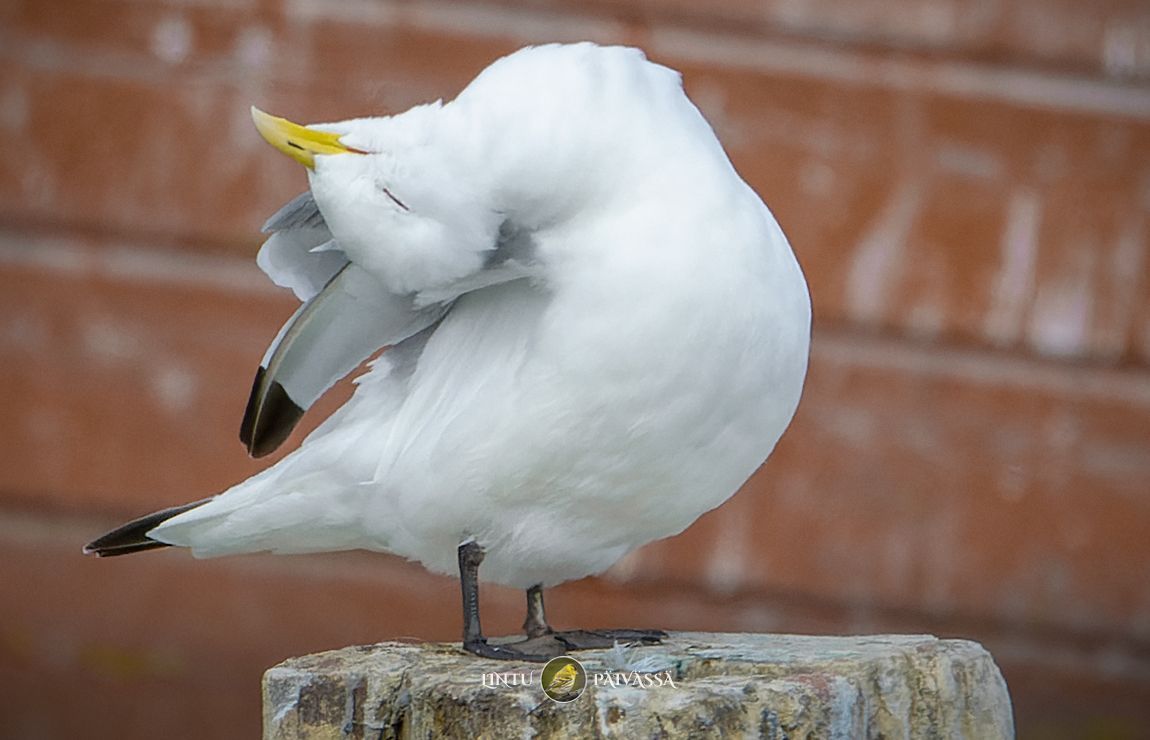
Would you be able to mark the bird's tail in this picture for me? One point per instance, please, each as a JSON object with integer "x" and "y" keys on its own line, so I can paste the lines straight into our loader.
{"x": 133, "y": 536}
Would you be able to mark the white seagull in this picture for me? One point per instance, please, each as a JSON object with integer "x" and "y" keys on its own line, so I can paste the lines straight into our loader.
{"x": 597, "y": 332}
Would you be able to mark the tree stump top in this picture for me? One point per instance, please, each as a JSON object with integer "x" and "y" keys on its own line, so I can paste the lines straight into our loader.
{"x": 695, "y": 684}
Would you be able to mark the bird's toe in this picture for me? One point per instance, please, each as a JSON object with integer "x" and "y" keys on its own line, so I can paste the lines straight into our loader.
{"x": 533, "y": 650}
{"x": 598, "y": 639}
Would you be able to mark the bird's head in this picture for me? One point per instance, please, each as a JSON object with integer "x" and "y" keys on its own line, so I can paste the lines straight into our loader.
{"x": 393, "y": 194}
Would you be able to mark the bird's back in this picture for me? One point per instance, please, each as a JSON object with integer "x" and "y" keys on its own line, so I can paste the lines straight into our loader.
{"x": 633, "y": 381}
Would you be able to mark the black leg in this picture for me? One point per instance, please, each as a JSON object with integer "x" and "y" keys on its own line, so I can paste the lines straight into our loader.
{"x": 470, "y": 556}
{"x": 535, "y": 625}
{"x": 538, "y": 651}
{"x": 542, "y": 643}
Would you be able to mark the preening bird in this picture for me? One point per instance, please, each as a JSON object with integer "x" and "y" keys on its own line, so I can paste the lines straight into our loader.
{"x": 596, "y": 332}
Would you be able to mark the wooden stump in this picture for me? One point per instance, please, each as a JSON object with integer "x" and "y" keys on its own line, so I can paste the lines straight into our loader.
{"x": 694, "y": 685}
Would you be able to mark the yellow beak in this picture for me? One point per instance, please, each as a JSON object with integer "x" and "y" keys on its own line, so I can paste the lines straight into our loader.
{"x": 298, "y": 142}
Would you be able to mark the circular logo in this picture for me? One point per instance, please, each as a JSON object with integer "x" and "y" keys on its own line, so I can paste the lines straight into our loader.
{"x": 563, "y": 679}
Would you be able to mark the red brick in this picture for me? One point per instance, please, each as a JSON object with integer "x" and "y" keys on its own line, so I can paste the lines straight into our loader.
{"x": 117, "y": 154}
{"x": 174, "y": 34}
{"x": 121, "y": 354}
{"x": 160, "y": 640}
{"x": 964, "y": 197}
{"x": 930, "y": 479}
{"x": 941, "y": 202}
{"x": 945, "y": 219}
{"x": 950, "y": 482}
{"x": 1108, "y": 37}
{"x": 171, "y": 643}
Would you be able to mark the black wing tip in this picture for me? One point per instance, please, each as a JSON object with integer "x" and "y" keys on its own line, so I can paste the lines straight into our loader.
{"x": 133, "y": 536}
{"x": 252, "y": 409}
{"x": 94, "y": 548}
{"x": 269, "y": 418}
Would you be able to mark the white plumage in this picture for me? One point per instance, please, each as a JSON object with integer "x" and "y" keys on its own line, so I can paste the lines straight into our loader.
{"x": 599, "y": 330}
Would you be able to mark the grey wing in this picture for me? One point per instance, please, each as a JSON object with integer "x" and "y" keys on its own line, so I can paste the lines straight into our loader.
{"x": 352, "y": 317}
{"x": 299, "y": 253}
{"x": 346, "y": 316}
{"x": 298, "y": 213}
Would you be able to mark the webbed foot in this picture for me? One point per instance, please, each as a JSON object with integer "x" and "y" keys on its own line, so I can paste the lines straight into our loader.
{"x": 533, "y": 650}
{"x": 592, "y": 639}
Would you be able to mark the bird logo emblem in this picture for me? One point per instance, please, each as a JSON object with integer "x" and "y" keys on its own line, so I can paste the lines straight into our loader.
{"x": 563, "y": 679}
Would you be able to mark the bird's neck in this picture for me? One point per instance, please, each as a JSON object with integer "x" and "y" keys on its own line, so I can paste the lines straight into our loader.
{"x": 544, "y": 165}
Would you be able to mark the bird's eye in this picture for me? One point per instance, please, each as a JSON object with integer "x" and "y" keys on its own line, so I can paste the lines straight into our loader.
{"x": 395, "y": 200}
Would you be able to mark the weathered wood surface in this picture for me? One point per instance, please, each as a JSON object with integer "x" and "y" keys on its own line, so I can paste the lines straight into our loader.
{"x": 698, "y": 685}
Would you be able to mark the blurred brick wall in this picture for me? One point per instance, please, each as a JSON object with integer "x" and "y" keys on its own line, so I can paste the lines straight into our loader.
{"x": 966, "y": 182}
